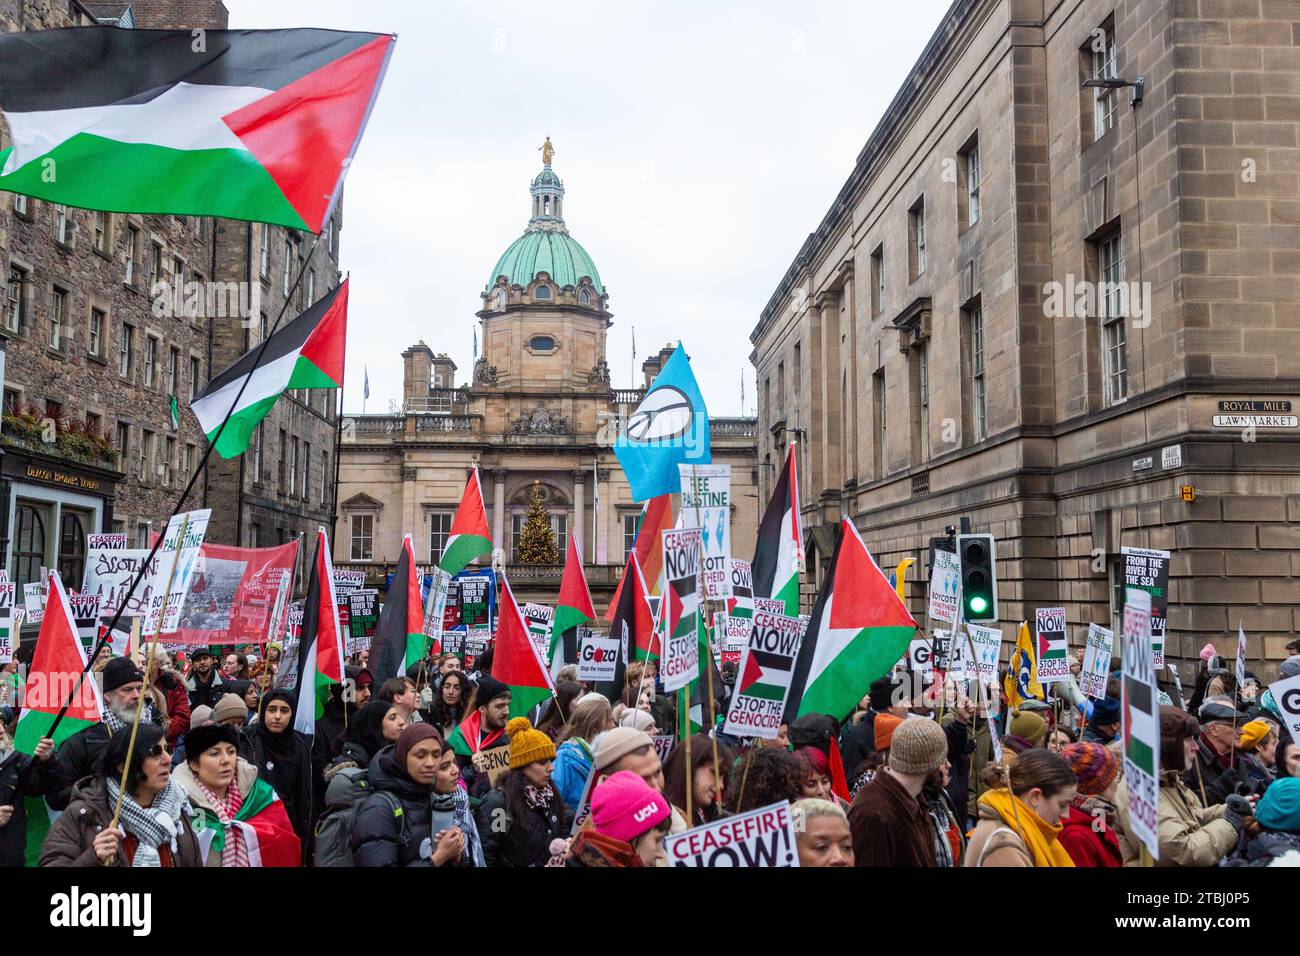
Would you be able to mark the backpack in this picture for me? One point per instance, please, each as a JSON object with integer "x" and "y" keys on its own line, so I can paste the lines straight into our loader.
{"x": 347, "y": 790}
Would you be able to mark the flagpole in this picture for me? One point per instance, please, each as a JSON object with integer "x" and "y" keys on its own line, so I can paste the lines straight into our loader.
{"x": 105, "y": 637}
{"x": 338, "y": 442}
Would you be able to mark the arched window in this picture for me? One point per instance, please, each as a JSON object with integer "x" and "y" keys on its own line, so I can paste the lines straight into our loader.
{"x": 584, "y": 297}
{"x": 546, "y": 205}
{"x": 542, "y": 292}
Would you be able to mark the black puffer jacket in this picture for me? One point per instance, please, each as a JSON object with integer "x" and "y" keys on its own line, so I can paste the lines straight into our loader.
{"x": 291, "y": 776}
{"x": 44, "y": 777}
{"x": 382, "y": 837}
{"x": 1263, "y": 848}
{"x": 517, "y": 846}
{"x": 80, "y": 755}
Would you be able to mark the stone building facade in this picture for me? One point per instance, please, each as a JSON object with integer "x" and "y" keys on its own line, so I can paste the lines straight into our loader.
{"x": 1041, "y": 305}
{"x": 101, "y": 327}
{"x": 538, "y": 408}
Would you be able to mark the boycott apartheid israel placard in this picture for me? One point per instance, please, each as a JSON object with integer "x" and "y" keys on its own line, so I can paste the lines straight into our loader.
{"x": 762, "y": 837}
{"x": 680, "y": 662}
{"x": 1053, "y": 650}
{"x": 763, "y": 679}
{"x": 706, "y": 500}
{"x": 1097, "y": 653}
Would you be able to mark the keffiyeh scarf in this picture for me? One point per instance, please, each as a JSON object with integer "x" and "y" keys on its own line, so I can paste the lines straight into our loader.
{"x": 116, "y": 723}
{"x": 473, "y": 855}
{"x": 234, "y": 851}
{"x": 153, "y": 825}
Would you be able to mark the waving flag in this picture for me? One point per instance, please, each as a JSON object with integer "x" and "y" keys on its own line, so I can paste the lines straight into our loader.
{"x": 669, "y": 427}
{"x": 780, "y": 541}
{"x": 399, "y": 638}
{"x": 858, "y": 631}
{"x": 240, "y": 124}
{"x": 306, "y": 353}
{"x": 516, "y": 661}
{"x": 320, "y": 646}
{"x": 656, "y": 518}
{"x": 1021, "y": 683}
{"x": 574, "y": 607}
{"x": 469, "y": 536}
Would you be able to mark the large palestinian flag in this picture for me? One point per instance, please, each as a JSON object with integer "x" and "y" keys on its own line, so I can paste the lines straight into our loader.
{"x": 516, "y": 661}
{"x": 574, "y": 607}
{"x": 469, "y": 537}
{"x": 656, "y": 517}
{"x": 56, "y": 669}
{"x": 306, "y": 353}
{"x": 239, "y": 124}
{"x": 399, "y": 637}
{"x": 858, "y": 631}
{"x": 320, "y": 645}
{"x": 780, "y": 541}
{"x": 262, "y": 819}
{"x": 634, "y": 626}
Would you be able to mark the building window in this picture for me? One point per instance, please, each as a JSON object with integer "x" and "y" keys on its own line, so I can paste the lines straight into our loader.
{"x": 20, "y": 204}
{"x": 284, "y": 454}
{"x": 916, "y": 238}
{"x": 58, "y": 317}
{"x": 94, "y": 424}
{"x": 173, "y": 360}
{"x": 178, "y": 280}
{"x": 542, "y": 292}
{"x": 630, "y": 521}
{"x": 102, "y": 231}
{"x": 971, "y": 185}
{"x": 14, "y": 299}
{"x": 288, "y": 262}
{"x": 923, "y": 399}
{"x": 311, "y": 286}
{"x": 124, "y": 351}
{"x": 123, "y": 444}
{"x": 132, "y": 253}
{"x": 62, "y": 227}
{"x": 29, "y": 544}
{"x": 264, "y": 256}
{"x": 584, "y": 297}
{"x": 187, "y": 459}
{"x": 150, "y": 357}
{"x": 306, "y": 468}
{"x": 155, "y": 265}
{"x": 439, "y": 529}
{"x": 363, "y": 538}
{"x": 541, "y": 343}
{"x": 146, "y": 455}
{"x": 142, "y": 534}
{"x": 780, "y": 388}
{"x": 881, "y": 423}
{"x": 324, "y": 476}
{"x": 194, "y": 377}
{"x": 72, "y": 547}
{"x": 978, "y": 406}
{"x": 1102, "y": 47}
{"x": 559, "y": 528}
{"x": 878, "y": 280}
{"x": 293, "y": 468}
{"x": 169, "y": 459}
{"x": 95, "y": 331}
{"x": 797, "y": 384}
{"x": 1111, "y": 309}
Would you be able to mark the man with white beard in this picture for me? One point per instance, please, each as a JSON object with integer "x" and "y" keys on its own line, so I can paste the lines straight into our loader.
{"x": 80, "y": 754}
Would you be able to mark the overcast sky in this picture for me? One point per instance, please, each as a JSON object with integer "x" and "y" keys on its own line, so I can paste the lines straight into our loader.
{"x": 699, "y": 144}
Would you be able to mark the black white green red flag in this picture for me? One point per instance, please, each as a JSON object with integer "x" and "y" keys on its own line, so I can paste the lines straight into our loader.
{"x": 399, "y": 638}
{"x": 515, "y": 660}
{"x": 240, "y": 124}
{"x": 779, "y": 550}
{"x": 469, "y": 537}
{"x": 320, "y": 645}
{"x": 306, "y": 353}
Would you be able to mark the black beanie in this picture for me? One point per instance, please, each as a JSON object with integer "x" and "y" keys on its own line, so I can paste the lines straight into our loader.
{"x": 119, "y": 672}
{"x": 489, "y": 689}
{"x": 199, "y": 739}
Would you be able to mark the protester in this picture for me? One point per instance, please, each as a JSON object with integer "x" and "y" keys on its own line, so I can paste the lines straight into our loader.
{"x": 401, "y": 692}
{"x": 961, "y": 744}
{"x": 1060, "y": 738}
{"x": 638, "y": 720}
{"x": 170, "y": 696}
{"x": 518, "y": 820}
{"x": 560, "y": 709}
{"x": 764, "y": 775}
{"x": 629, "y": 821}
{"x": 1286, "y": 760}
{"x": 452, "y": 701}
{"x": 235, "y": 667}
{"x": 1020, "y": 813}
{"x": 1027, "y": 730}
{"x": 624, "y": 748}
{"x": 482, "y": 729}
{"x": 205, "y": 684}
{"x": 574, "y": 756}
{"x": 283, "y": 759}
{"x": 231, "y": 711}
{"x": 375, "y": 726}
{"x": 1103, "y": 725}
{"x": 39, "y": 774}
{"x": 1213, "y": 772}
{"x": 252, "y": 698}
{"x": 1257, "y": 748}
{"x": 449, "y": 663}
{"x": 887, "y": 695}
{"x": 153, "y": 827}
{"x": 817, "y": 773}
{"x": 1275, "y": 830}
{"x": 705, "y": 787}
{"x": 890, "y": 826}
{"x": 403, "y": 822}
{"x": 80, "y": 754}
{"x": 949, "y": 837}
{"x": 1189, "y": 832}
{"x": 822, "y": 833}
{"x": 1088, "y": 825}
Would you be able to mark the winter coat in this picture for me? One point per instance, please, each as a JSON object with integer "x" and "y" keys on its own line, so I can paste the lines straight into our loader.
{"x": 1263, "y": 848}
{"x": 1219, "y": 782}
{"x": 80, "y": 754}
{"x": 592, "y": 849}
{"x": 45, "y": 777}
{"x": 572, "y": 765}
{"x": 177, "y": 698}
{"x": 1088, "y": 838}
{"x": 383, "y": 837}
{"x": 1190, "y": 834}
{"x": 292, "y": 779}
{"x": 262, "y": 818}
{"x": 993, "y": 843}
{"x": 211, "y": 692}
{"x": 858, "y": 742}
{"x": 517, "y": 846}
{"x": 71, "y": 839}
{"x": 961, "y": 744}
{"x": 890, "y": 826}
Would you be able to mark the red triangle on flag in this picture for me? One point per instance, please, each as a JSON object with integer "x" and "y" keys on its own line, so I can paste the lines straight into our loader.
{"x": 753, "y": 672}
{"x": 863, "y": 597}
{"x": 59, "y": 659}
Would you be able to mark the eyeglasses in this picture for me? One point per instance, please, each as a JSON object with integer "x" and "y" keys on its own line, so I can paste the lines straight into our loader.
{"x": 158, "y": 749}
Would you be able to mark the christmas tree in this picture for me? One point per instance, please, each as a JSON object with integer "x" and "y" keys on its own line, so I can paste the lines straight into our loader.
{"x": 536, "y": 539}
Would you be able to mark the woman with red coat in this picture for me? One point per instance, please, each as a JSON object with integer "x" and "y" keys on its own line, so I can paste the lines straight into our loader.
{"x": 1088, "y": 827}
{"x": 171, "y": 696}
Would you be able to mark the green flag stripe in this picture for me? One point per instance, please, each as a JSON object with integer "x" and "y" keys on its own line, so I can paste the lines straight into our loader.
{"x": 35, "y": 724}
{"x": 462, "y": 551}
{"x": 523, "y": 699}
{"x": 307, "y": 375}
{"x": 238, "y": 432}
{"x": 846, "y": 678}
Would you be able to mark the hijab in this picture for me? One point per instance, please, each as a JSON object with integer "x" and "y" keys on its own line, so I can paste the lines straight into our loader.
{"x": 279, "y": 746}
{"x": 367, "y": 726}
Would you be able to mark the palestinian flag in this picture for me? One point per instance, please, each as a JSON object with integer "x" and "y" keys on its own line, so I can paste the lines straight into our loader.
{"x": 656, "y": 518}
{"x": 399, "y": 637}
{"x": 634, "y": 626}
{"x": 469, "y": 537}
{"x": 574, "y": 607}
{"x": 858, "y": 631}
{"x": 238, "y": 124}
{"x": 174, "y": 412}
{"x": 262, "y": 819}
{"x": 306, "y": 353}
{"x": 56, "y": 669}
{"x": 516, "y": 661}
{"x": 779, "y": 550}
{"x": 320, "y": 644}
{"x": 766, "y": 676}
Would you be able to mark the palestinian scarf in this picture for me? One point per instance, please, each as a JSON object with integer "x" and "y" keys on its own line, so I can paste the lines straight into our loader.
{"x": 154, "y": 825}
{"x": 234, "y": 851}
{"x": 116, "y": 723}
{"x": 473, "y": 855}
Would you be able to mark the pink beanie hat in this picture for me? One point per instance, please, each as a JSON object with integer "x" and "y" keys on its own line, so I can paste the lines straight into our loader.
{"x": 623, "y": 807}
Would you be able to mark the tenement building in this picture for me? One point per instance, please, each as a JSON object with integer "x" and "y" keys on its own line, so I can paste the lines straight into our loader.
{"x": 538, "y": 411}
{"x": 1066, "y": 308}
{"x": 105, "y": 317}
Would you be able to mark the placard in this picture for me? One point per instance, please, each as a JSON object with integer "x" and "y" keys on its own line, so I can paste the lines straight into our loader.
{"x": 1097, "y": 652}
{"x": 348, "y": 580}
{"x": 85, "y": 615}
{"x": 1140, "y": 719}
{"x": 109, "y": 573}
{"x": 106, "y": 541}
{"x": 436, "y": 607}
{"x": 986, "y": 642}
{"x": 706, "y": 500}
{"x": 362, "y": 619}
{"x": 476, "y": 642}
{"x": 762, "y": 837}
{"x": 664, "y": 746}
{"x": 1148, "y": 570}
{"x": 757, "y": 707}
{"x": 769, "y": 605}
{"x": 33, "y": 602}
{"x": 920, "y": 659}
{"x": 7, "y": 626}
{"x": 476, "y": 597}
{"x": 598, "y": 658}
{"x": 741, "y": 602}
{"x": 495, "y": 762}
{"x": 1286, "y": 694}
{"x": 178, "y": 559}
{"x": 945, "y": 580}
{"x": 1053, "y": 648}
{"x": 539, "y": 618}
{"x": 680, "y": 661}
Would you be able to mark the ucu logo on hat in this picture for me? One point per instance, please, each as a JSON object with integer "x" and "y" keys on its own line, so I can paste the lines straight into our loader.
{"x": 646, "y": 812}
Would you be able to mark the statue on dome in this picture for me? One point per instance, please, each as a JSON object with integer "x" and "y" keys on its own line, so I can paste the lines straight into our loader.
{"x": 548, "y": 152}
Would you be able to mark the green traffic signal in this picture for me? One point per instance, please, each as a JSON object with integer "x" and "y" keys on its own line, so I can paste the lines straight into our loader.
{"x": 978, "y": 604}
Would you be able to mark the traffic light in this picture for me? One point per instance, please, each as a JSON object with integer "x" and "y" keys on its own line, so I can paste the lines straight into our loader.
{"x": 979, "y": 582}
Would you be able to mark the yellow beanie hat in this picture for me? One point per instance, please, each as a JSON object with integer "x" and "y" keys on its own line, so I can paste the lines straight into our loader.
{"x": 1253, "y": 734}
{"x": 527, "y": 745}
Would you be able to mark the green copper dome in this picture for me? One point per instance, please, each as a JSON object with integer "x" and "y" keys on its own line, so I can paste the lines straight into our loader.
{"x": 556, "y": 253}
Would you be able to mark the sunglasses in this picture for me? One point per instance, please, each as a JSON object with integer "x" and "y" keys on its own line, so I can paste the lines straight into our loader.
{"x": 157, "y": 750}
